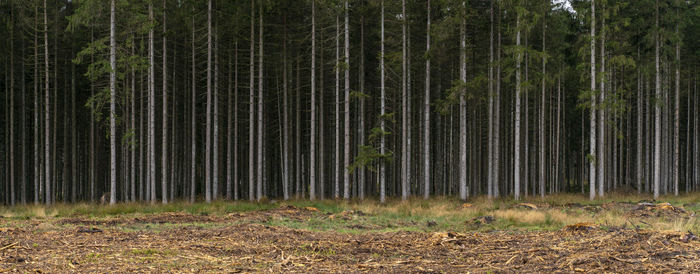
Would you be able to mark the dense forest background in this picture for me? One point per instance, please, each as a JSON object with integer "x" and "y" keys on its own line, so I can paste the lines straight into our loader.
{"x": 228, "y": 99}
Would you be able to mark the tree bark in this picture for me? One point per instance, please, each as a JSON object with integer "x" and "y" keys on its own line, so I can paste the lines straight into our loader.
{"x": 112, "y": 106}
{"x": 208, "y": 137}
{"x": 592, "y": 143}
{"x": 382, "y": 146}
{"x": 251, "y": 106}
{"x": 346, "y": 172}
{"x": 426, "y": 106}
{"x": 47, "y": 120}
{"x": 312, "y": 145}
{"x": 516, "y": 158}
{"x": 164, "y": 156}
{"x": 261, "y": 163}
{"x": 657, "y": 111}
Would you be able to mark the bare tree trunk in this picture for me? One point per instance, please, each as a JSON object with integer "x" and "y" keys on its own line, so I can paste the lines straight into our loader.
{"x": 38, "y": 181}
{"x": 321, "y": 144}
{"x": 592, "y": 143}
{"x": 542, "y": 106}
{"x": 676, "y": 122}
{"x": 47, "y": 120}
{"x": 426, "y": 105}
{"x": 558, "y": 144}
{"x": 657, "y": 113}
{"x": 404, "y": 114}
{"x": 112, "y": 106}
{"x": 235, "y": 125}
{"x": 215, "y": 145}
{"x": 164, "y": 156}
{"x": 489, "y": 184}
{"x": 516, "y": 159}
{"x": 361, "y": 113}
{"x": 346, "y": 172}
{"x": 261, "y": 163}
{"x": 497, "y": 114}
{"x": 312, "y": 147}
{"x": 133, "y": 127}
{"x": 600, "y": 159}
{"x": 251, "y": 106}
{"x": 640, "y": 139}
{"x": 229, "y": 123}
{"x": 382, "y": 147}
{"x": 285, "y": 115}
{"x": 11, "y": 121}
{"x": 338, "y": 165}
{"x": 463, "y": 109}
{"x": 207, "y": 149}
{"x": 151, "y": 110}
{"x": 193, "y": 185}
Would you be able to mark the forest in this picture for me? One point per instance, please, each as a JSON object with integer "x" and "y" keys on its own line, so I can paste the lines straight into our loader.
{"x": 341, "y": 136}
{"x": 207, "y": 100}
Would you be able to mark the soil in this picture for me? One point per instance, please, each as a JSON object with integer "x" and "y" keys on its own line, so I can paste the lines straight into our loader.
{"x": 239, "y": 243}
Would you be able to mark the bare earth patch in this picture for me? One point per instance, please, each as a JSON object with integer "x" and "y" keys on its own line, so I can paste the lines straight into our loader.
{"x": 239, "y": 243}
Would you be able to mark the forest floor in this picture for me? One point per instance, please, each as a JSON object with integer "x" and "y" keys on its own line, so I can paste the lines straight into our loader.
{"x": 563, "y": 233}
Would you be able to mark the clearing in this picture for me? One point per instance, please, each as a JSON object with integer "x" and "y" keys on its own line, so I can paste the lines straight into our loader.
{"x": 622, "y": 234}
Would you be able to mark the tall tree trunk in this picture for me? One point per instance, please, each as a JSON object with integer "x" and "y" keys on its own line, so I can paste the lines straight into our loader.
{"x": 361, "y": 113}
{"x": 516, "y": 158}
{"x": 133, "y": 127}
{"x": 676, "y": 122}
{"x": 112, "y": 105}
{"x": 285, "y": 109}
{"x": 426, "y": 106}
{"x": 207, "y": 148}
{"x": 463, "y": 108}
{"x": 261, "y": 163}
{"x": 235, "y": 126}
{"x": 321, "y": 144}
{"x": 640, "y": 169}
{"x": 657, "y": 111}
{"x": 151, "y": 109}
{"x": 601, "y": 157}
{"x": 382, "y": 146}
{"x": 312, "y": 145}
{"x": 38, "y": 180}
{"x": 489, "y": 183}
{"x": 497, "y": 113}
{"x": 346, "y": 172}
{"x": 592, "y": 142}
{"x": 47, "y": 120}
{"x": 338, "y": 165}
{"x": 251, "y": 108}
{"x": 193, "y": 171}
{"x": 11, "y": 120}
{"x": 542, "y": 105}
{"x": 229, "y": 123}
{"x": 404, "y": 115}
{"x": 164, "y": 156}
{"x": 215, "y": 145}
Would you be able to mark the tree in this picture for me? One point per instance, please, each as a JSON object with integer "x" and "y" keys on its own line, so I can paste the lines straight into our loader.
{"x": 463, "y": 107}
{"x": 112, "y": 105}
{"x": 346, "y": 172}
{"x": 426, "y": 105}
{"x": 260, "y": 109}
{"x": 207, "y": 153}
{"x": 164, "y": 153}
{"x": 516, "y": 158}
{"x": 382, "y": 117}
{"x": 592, "y": 143}
{"x": 657, "y": 110}
{"x": 312, "y": 145}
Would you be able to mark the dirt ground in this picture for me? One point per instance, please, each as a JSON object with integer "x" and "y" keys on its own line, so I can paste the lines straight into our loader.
{"x": 179, "y": 242}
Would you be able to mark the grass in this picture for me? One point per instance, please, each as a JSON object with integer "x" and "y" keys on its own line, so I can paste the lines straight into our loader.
{"x": 436, "y": 214}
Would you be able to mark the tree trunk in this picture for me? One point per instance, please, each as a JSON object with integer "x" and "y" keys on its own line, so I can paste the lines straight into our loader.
{"x": 312, "y": 146}
{"x": 676, "y": 122}
{"x": 193, "y": 182}
{"x": 261, "y": 165}
{"x": 346, "y": 172}
{"x": 542, "y": 105}
{"x": 47, "y": 120}
{"x": 251, "y": 108}
{"x": 38, "y": 181}
{"x": 426, "y": 107}
{"x": 285, "y": 115}
{"x": 497, "y": 114}
{"x": 601, "y": 157}
{"x": 164, "y": 164}
{"x": 338, "y": 167}
{"x": 112, "y": 106}
{"x": 516, "y": 158}
{"x": 207, "y": 149}
{"x": 592, "y": 142}
{"x": 382, "y": 146}
{"x": 657, "y": 112}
